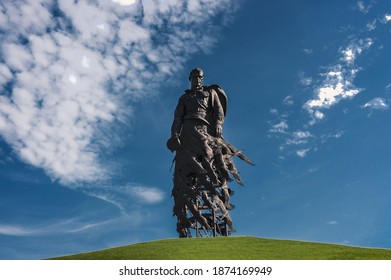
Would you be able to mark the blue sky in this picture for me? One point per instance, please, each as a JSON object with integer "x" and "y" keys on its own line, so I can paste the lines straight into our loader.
{"x": 87, "y": 98}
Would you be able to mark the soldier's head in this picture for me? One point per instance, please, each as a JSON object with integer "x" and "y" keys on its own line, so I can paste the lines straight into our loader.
{"x": 196, "y": 76}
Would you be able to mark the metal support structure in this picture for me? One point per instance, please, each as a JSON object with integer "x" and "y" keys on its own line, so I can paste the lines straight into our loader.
{"x": 212, "y": 213}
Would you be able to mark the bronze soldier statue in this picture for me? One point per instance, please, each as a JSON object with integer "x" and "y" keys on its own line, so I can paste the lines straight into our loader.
{"x": 203, "y": 161}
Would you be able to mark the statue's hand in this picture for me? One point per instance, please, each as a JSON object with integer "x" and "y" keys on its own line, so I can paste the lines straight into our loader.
{"x": 174, "y": 143}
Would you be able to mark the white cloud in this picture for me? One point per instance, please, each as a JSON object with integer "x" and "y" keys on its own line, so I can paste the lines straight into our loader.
{"x": 338, "y": 134}
{"x": 54, "y": 227}
{"x": 107, "y": 196}
{"x": 124, "y": 2}
{"x": 386, "y": 18}
{"x": 14, "y": 230}
{"x": 72, "y": 78}
{"x": 70, "y": 67}
{"x": 5, "y": 74}
{"x": 335, "y": 135}
{"x": 337, "y": 84}
{"x": 299, "y": 137}
{"x": 372, "y": 25}
{"x": 304, "y": 80}
{"x": 280, "y": 127}
{"x": 308, "y": 51}
{"x": 364, "y": 8}
{"x": 128, "y": 195}
{"x": 302, "y": 134}
{"x": 318, "y": 115}
{"x": 288, "y": 100}
{"x": 85, "y": 62}
{"x": 146, "y": 194}
{"x": 377, "y": 104}
{"x": 349, "y": 54}
{"x": 360, "y": 5}
{"x": 17, "y": 57}
{"x": 302, "y": 153}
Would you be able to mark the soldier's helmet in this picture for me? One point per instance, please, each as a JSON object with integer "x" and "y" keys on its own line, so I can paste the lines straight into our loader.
{"x": 196, "y": 72}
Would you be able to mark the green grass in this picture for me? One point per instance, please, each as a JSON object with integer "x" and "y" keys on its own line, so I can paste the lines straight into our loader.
{"x": 233, "y": 248}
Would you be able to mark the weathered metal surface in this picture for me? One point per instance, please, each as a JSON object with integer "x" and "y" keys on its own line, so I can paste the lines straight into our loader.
{"x": 203, "y": 161}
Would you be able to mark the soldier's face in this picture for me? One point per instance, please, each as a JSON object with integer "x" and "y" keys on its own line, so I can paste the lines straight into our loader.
{"x": 196, "y": 81}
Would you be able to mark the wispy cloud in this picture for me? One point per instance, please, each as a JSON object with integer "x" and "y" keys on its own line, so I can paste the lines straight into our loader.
{"x": 280, "y": 127}
{"x": 299, "y": 137}
{"x": 337, "y": 81}
{"x": 383, "y": 19}
{"x": 363, "y": 7}
{"x": 305, "y": 80}
{"x": 13, "y": 230}
{"x": 308, "y": 51}
{"x": 288, "y": 100}
{"x": 336, "y": 84}
{"x": 377, "y": 104}
{"x": 302, "y": 153}
{"x": 130, "y": 194}
{"x": 372, "y": 25}
{"x": 333, "y": 135}
{"x": 145, "y": 194}
{"x": 70, "y": 71}
{"x": 299, "y": 142}
{"x": 57, "y": 227}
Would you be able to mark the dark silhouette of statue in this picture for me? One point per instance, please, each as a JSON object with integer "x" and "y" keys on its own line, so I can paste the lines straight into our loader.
{"x": 203, "y": 161}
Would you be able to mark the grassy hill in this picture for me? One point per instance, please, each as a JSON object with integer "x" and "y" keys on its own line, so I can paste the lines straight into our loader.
{"x": 234, "y": 248}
